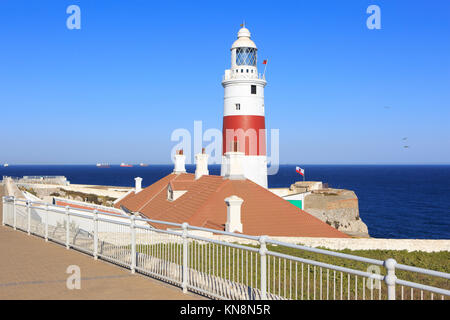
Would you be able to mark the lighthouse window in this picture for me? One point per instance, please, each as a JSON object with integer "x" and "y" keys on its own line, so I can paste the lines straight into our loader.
{"x": 238, "y": 106}
{"x": 246, "y": 56}
{"x": 253, "y": 89}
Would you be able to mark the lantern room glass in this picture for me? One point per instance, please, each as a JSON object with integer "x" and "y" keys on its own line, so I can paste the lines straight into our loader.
{"x": 246, "y": 56}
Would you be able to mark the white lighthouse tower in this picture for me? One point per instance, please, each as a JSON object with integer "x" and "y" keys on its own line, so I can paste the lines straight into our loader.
{"x": 243, "y": 112}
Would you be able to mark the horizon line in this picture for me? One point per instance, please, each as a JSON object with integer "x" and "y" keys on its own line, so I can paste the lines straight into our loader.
{"x": 193, "y": 164}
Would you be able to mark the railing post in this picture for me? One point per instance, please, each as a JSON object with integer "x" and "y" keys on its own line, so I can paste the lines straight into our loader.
{"x": 28, "y": 217}
{"x": 184, "y": 284}
{"x": 390, "y": 277}
{"x": 46, "y": 222}
{"x": 133, "y": 243}
{"x": 95, "y": 219}
{"x": 14, "y": 214}
{"x": 263, "y": 254}
{"x": 4, "y": 210}
{"x": 67, "y": 228}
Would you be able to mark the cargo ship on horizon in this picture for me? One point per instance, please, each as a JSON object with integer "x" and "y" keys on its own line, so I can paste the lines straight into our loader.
{"x": 103, "y": 165}
{"x": 126, "y": 165}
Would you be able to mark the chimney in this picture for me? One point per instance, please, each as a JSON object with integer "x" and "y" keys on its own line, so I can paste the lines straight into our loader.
{"x": 201, "y": 160}
{"x": 137, "y": 184}
{"x": 180, "y": 160}
{"x": 234, "y": 163}
{"x": 234, "y": 204}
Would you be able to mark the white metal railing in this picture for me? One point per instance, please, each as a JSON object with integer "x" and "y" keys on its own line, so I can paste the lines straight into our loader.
{"x": 189, "y": 257}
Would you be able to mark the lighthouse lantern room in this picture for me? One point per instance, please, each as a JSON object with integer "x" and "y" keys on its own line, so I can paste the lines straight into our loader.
{"x": 243, "y": 118}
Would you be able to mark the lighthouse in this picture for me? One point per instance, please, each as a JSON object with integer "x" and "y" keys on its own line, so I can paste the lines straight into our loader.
{"x": 243, "y": 111}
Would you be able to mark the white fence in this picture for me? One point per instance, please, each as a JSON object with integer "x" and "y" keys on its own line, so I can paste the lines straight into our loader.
{"x": 264, "y": 269}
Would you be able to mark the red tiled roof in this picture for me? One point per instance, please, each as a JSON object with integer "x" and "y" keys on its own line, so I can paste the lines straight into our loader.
{"x": 181, "y": 185}
{"x": 203, "y": 205}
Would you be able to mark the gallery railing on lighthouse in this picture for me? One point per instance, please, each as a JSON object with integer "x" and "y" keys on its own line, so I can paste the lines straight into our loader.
{"x": 242, "y": 75}
{"x": 220, "y": 264}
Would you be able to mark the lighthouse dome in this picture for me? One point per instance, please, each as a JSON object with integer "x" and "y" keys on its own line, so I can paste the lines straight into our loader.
{"x": 243, "y": 40}
{"x": 244, "y": 32}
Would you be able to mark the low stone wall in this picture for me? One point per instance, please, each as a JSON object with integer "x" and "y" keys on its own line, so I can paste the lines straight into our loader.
{"x": 12, "y": 189}
{"x": 47, "y": 189}
{"x": 425, "y": 245}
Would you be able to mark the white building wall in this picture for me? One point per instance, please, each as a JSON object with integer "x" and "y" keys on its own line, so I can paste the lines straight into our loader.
{"x": 255, "y": 169}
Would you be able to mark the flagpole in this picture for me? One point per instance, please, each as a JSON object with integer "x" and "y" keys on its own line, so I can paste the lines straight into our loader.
{"x": 265, "y": 66}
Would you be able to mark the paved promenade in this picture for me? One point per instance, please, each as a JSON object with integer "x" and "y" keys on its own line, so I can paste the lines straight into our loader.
{"x": 31, "y": 268}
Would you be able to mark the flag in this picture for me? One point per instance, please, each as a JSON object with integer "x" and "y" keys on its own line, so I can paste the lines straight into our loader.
{"x": 300, "y": 171}
{"x": 265, "y": 62}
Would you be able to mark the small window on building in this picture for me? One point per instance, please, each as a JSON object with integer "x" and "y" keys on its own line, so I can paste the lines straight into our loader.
{"x": 242, "y": 70}
{"x": 238, "y": 106}
{"x": 247, "y": 70}
{"x": 252, "y": 71}
{"x": 253, "y": 89}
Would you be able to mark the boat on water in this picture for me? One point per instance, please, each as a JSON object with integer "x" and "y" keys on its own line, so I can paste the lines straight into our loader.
{"x": 126, "y": 165}
{"x": 143, "y": 165}
{"x": 103, "y": 165}
{"x": 6, "y": 165}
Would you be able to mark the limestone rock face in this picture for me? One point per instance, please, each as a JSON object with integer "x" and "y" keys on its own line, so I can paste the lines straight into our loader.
{"x": 338, "y": 208}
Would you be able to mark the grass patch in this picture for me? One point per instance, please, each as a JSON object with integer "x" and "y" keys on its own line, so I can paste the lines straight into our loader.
{"x": 29, "y": 190}
{"x": 89, "y": 197}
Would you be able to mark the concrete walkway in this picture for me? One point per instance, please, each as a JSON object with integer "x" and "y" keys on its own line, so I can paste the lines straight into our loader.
{"x": 31, "y": 268}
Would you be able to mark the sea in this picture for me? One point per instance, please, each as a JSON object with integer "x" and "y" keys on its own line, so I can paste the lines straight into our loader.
{"x": 395, "y": 201}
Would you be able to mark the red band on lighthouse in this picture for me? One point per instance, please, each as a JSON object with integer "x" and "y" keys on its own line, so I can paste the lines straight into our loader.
{"x": 248, "y": 131}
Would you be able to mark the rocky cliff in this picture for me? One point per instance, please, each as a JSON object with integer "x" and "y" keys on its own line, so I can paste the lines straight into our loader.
{"x": 338, "y": 208}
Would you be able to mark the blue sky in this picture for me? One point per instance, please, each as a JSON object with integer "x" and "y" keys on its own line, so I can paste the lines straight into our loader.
{"x": 137, "y": 70}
